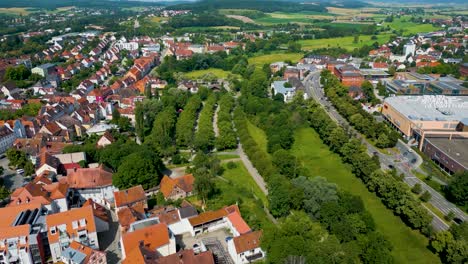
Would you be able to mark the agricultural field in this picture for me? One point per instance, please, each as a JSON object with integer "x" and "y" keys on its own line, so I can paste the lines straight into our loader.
{"x": 409, "y": 246}
{"x": 343, "y": 42}
{"x": 220, "y": 74}
{"x": 156, "y": 19}
{"x": 17, "y": 11}
{"x": 283, "y": 18}
{"x": 259, "y": 61}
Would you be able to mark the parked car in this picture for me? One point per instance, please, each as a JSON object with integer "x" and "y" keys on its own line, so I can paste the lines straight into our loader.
{"x": 20, "y": 171}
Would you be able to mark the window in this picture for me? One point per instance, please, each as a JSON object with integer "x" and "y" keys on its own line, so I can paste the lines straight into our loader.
{"x": 75, "y": 224}
{"x": 82, "y": 222}
{"x": 53, "y": 230}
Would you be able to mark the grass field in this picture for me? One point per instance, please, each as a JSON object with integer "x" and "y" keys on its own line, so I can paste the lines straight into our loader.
{"x": 199, "y": 74}
{"x": 258, "y": 136}
{"x": 155, "y": 19}
{"x": 270, "y": 58}
{"x": 409, "y": 245}
{"x": 410, "y": 28}
{"x": 343, "y": 42}
{"x": 236, "y": 185}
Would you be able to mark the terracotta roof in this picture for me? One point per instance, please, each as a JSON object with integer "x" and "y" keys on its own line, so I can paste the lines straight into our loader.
{"x": 56, "y": 190}
{"x": 141, "y": 255}
{"x": 9, "y": 214}
{"x": 87, "y": 178}
{"x": 167, "y": 216}
{"x": 42, "y": 179}
{"x": 187, "y": 256}
{"x": 66, "y": 218}
{"x": 129, "y": 196}
{"x": 14, "y": 231}
{"x": 247, "y": 242}
{"x": 152, "y": 237}
{"x": 208, "y": 217}
{"x": 129, "y": 215}
{"x": 99, "y": 211}
{"x": 238, "y": 222}
{"x": 53, "y": 128}
{"x": 30, "y": 193}
{"x": 185, "y": 183}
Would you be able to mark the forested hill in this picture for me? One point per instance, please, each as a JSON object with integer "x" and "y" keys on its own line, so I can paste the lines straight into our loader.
{"x": 260, "y": 5}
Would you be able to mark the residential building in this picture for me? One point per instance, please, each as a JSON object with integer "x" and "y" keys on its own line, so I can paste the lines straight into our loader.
{"x": 44, "y": 70}
{"x": 74, "y": 225}
{"x": 105, "y": 140}
{"x": 91, "y": 183}
{"x": 52, "y": 196}
{"x": 177, "y": 188}
{"x": 153, "y": 236}
{"x": 182, "y": 257}
{"x": 130, "y": 197}
{"x": 23, "y": 234}
{"x": 7, "y": 138}
{"x": 409, "y": 49}
{"x": 77, "y": 253}
{"x": 246, "y": 248}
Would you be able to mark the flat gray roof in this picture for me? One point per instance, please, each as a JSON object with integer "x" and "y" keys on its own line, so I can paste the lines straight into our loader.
{"x": 430, "y": 107}
{"x": 456, "y": 148}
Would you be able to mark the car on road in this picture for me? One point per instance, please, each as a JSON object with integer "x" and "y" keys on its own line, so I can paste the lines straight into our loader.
{"x": 20, "y": 171}
{"x": 458, "y": 220}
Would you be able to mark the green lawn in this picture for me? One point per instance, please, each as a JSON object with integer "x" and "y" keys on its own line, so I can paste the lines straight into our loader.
{"x": 199, "y": 74}
{"x": 409, "y": 245}
{"x": 270, "y": 58}
{"x": 258, "y": 136}
{"x": 410, "y": 28}
{"x": 343, "y": 42}
{"x": 236, "y": 185}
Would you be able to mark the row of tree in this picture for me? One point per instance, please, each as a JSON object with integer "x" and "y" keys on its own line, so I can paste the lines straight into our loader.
{"x": 384, "y": 136}
{"x": 204, "y": 136}
{"x": 227, "y": 138}
{"x": 393, "y": 193}
{"x": 185, "y": 128}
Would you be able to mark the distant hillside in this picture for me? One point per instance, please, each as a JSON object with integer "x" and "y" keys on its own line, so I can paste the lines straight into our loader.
{"x": 51, "y": 4}
{"x": 260, "y": 5}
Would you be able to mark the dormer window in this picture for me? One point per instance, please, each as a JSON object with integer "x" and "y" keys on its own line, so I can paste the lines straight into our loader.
{"x": 53, "y": 230}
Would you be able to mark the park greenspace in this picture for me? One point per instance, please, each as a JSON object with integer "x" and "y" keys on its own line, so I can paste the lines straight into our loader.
{"x": 220, "y": 74}
{"x": 236, "y": 185}
{"x": 258, "y": 135}
{"x": 260, "y": 60}
{"x": 409, "y": 246}
{"x": 343, "y": 42}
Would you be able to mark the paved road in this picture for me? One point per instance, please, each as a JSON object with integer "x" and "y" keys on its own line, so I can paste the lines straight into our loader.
{"x": 314, "y": 90}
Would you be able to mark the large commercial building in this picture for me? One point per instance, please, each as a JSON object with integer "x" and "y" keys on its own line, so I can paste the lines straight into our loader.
{"x": 412, "y": 83}
{"x": 438, "y": 123}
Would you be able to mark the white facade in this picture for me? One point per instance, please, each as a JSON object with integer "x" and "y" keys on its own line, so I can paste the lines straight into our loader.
{"x": 16, "y": 255}
{"x": 409, "y": 49}
{"x": 181, "y": 227}
{"x": 100, "y": 195}
{"x": 7, "y": 141}
{"x": 241, "y": 257}
{"x": 127, "y": 45}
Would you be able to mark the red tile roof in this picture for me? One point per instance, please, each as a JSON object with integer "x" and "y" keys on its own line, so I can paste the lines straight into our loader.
{"x": 129, "y": 196}
{"x": 90, "y": 178}
{"x": 168, "y": 184}
{"x": 153, "y": 237}
{"x": 238, "y": 222}
{"x": 247, "y": 242}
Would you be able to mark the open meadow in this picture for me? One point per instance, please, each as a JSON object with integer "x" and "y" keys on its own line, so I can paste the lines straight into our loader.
{"x": 260, "y": 60}
{"x": 342, "y": 42}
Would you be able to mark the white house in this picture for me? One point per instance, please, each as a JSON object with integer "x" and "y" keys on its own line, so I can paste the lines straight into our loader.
{"x": 246, "y": 248}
